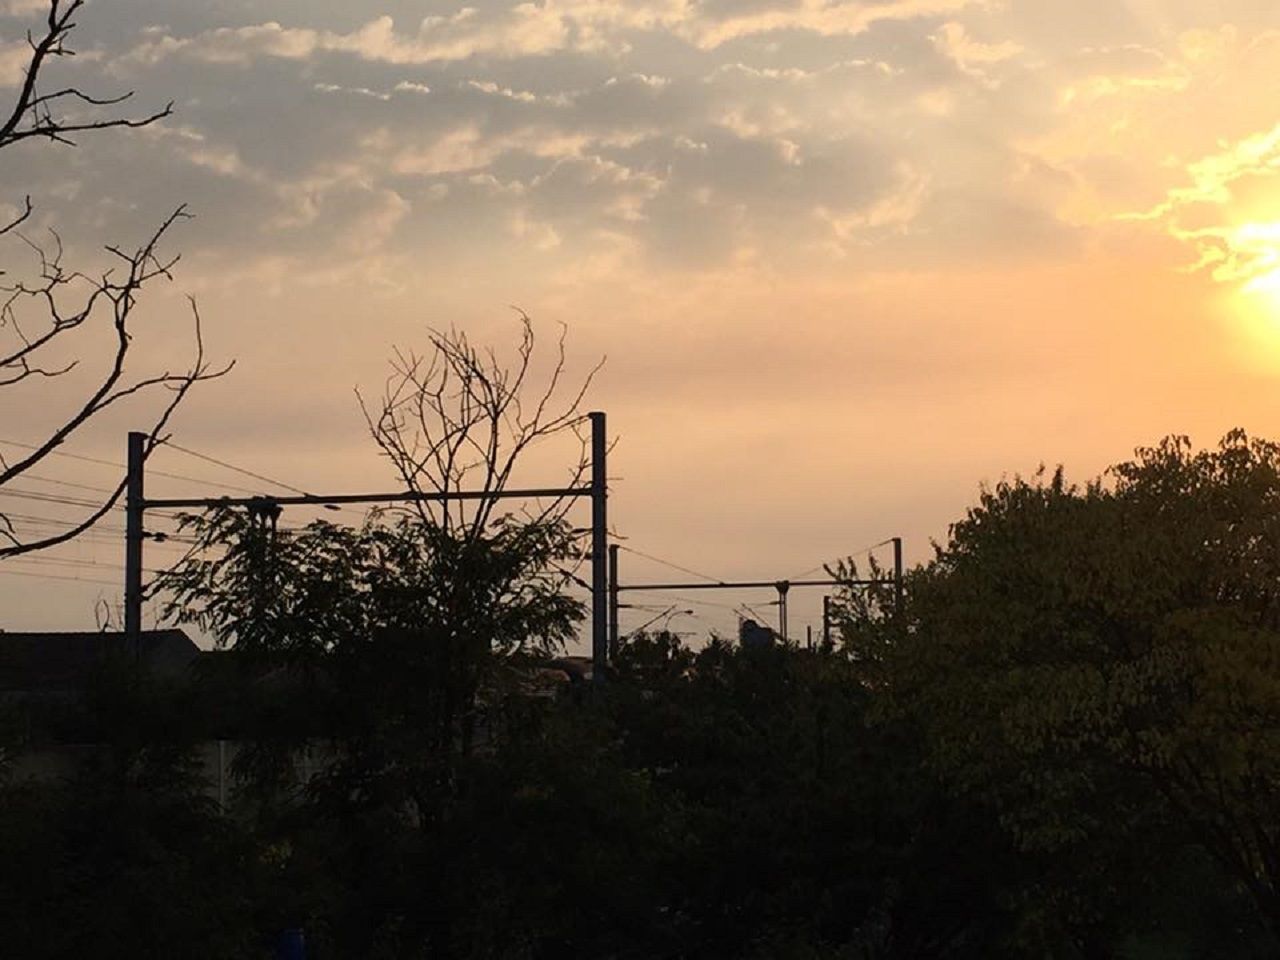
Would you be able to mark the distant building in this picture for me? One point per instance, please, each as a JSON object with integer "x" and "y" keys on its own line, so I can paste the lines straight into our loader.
{"x": 48, "y": 678}
{"x": 51, "y": 667}
{"x": 755, "y": 636}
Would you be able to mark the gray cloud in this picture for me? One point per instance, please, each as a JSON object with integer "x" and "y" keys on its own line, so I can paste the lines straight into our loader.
{"x": 773, "y": 128}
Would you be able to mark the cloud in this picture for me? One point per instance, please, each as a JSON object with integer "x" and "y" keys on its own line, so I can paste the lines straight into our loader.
{"x": 791, "y": 131}
{"x": 23, "y": 8}
{"x": 971, "y": 56}
{"x": 14, "y": 60}
{"x": 537, "y": 29}
{"x": 1207, "y": 214}
{"x": 811, "y": 16}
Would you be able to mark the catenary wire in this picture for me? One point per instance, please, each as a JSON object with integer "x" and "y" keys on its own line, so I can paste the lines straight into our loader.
{"x": 120, "y": 466}
{"x": 228, "y": 466}
{"x": 5, "y": 571}
{"x": 668, "y": 563}
{"x": 857, "y": 553}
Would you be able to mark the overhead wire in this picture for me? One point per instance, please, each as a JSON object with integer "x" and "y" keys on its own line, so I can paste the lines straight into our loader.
{"x": 120, "y": 466}
{"x": 67, "y": 483}
{"x": 699, "y": 602}
{"x": 6, "y": 571}
{"x": 60, "y": 522}
{"x": 668, "y": 563}
{"x": 66, "y": 501}
{"x": 857, "y": 553}
{"x": 257, "y": 476}
{"x": 229, "y": 466}
{"x": 70, "y": 562}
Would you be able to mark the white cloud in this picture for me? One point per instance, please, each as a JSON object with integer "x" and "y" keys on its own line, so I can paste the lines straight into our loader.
{"x": 971, "y": 56}
{"x": 816, "y": 16}
{"x": 356, "y": 91}
{"x": 1208, "y": 216}
{"x": 534, "y": 29}
{"x": 489, "y": 87}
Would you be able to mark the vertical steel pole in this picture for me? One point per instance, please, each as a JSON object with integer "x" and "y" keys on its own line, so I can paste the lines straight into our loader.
{"x": 783, "y": 586}
{"x": 897, "y": 576}
{"x": 133, "y": 537}
{"x": 826, "y": 623}
{"x": 599, "y": 550}
{"x": 613, "y": 600}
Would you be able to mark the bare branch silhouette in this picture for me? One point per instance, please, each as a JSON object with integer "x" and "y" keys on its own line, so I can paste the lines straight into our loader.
{"x": 36, "y": 114}
{"x": 459, "y": 419}
{"x": 41, "y": 313}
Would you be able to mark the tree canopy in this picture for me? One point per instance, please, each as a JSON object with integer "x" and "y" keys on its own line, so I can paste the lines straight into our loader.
{"x": 1099, "y": 663}
{"x": 1061, "y": 746}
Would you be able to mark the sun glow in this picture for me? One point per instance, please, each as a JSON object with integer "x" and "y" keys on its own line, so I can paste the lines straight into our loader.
{"x": 1253, "y": 262}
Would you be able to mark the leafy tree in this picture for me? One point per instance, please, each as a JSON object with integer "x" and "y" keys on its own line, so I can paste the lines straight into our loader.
{"x": 127, "y": 855}
{"x": 394, "y": 636}
{"x": 809, "y": 830}
{"x": 1100, "y": 666}
{"x": 402, "y": 649}
{"x": 411, "y": 622}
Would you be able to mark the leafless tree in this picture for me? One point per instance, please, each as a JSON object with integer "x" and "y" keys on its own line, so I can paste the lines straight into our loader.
{"x": 41, "y": 313}
{"x": 460, "y": 419}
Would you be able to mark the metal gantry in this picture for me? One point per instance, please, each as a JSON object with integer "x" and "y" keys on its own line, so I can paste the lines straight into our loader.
{"x": 605, "y": 588}
{"x": 136, "y": 505}
{"x": 783, "y": 587}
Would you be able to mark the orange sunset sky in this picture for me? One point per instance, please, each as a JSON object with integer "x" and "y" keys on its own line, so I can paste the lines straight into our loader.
{"x": 847, "y": 260}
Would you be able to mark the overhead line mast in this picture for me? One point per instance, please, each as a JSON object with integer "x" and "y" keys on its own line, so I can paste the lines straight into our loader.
{"x": 782, "y": 586}
{"x": 136, "y": 504}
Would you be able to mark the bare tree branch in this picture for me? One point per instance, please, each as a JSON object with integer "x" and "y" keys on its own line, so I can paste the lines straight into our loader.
{"x": 180, "y": 384}
{"x": 33, "y": 113}
{"x": 40, "y": 316}
{"x": 463, "y": 418}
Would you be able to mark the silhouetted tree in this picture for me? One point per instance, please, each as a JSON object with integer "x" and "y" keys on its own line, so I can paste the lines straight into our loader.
{"x": 42, "y": 313}
{"x": 1100, "y": 666}
{"x": 459, "y": 418}
{"x": 397, "y": 647}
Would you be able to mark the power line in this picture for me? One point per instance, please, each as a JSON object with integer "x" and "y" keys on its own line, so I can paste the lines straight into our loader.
{"x": 755, "y": 614}
{"x": 822, "y": 567}
{"x": 120, "y": 466}
{"x": 66, "y": 483}
{"x": 668, "y": 563}
{"x": 69, "y": 456}
{"x": 74, "y": 562}
{"x": 54, "y": 521}
{"x": 700, "y": 603}
{"x": 66, "y": 501}
{"x": 5, "y": 571}
{"x": 256, "y": 476}
{"x": 232, "y": 467}
{"x": 52, "y": 498}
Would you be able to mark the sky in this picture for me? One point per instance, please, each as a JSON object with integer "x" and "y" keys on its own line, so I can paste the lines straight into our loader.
{"x": 846, "y": 261}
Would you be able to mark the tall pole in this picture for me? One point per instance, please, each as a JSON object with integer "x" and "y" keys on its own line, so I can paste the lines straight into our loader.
{"x": 613, "y": 600}
{"x": 782, "y": 586}
{"x": 599, "y": 549}
{"x": 897, "y": 576}
{"x": 826, "y": 623}
{"x": 133, "y": 537}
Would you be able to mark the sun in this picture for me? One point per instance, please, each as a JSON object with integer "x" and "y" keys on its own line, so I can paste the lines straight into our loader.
{"x": 1264, "y": 289}
{"x": 1254, "y": 266}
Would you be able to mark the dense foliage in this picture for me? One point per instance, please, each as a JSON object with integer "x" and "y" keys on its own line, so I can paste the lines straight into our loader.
{"x": 1064, "y": 746}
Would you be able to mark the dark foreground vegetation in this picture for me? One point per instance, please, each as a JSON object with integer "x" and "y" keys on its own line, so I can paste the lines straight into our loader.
{"x": 1068, "y": 746}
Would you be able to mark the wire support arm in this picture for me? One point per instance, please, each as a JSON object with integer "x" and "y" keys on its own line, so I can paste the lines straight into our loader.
{"x": 410, "y": 496}
{"x": 753, "y": 585}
